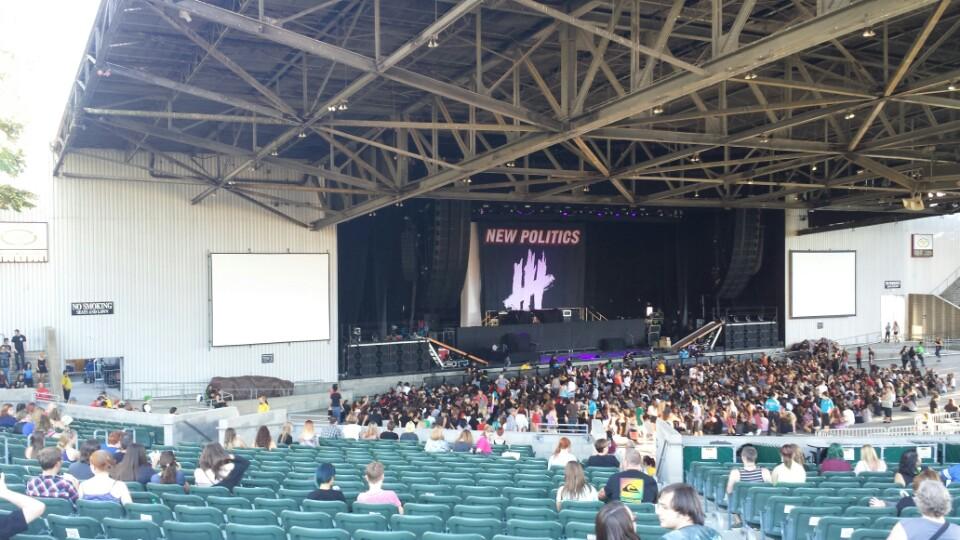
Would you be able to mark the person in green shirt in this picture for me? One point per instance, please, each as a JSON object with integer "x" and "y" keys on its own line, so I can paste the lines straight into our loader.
{"x": 681, "y": 509}
{"x": 920, "y": 350}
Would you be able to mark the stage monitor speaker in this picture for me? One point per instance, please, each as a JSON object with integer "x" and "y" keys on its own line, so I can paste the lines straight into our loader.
{"x": 549, "y": 315}
{"x": 613, "y": 344}
{"x": 517, "y": 342}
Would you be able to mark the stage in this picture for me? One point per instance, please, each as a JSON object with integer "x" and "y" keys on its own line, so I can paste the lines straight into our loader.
{"x": 527, "y": 342}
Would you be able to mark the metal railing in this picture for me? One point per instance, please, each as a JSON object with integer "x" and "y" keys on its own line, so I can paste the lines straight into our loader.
{"x": 862, "y": 339}
{"x": 943, "y": 285}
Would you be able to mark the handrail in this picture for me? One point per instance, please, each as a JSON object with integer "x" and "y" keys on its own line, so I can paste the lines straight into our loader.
{"x": 458, "y": 351}
{"x": 943, "y": 285}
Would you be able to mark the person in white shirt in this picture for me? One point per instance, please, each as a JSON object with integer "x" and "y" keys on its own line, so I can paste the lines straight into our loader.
{"x": 791, "y": 471}
{"x": 352, "y": 429}
{"x": 561, "y": 455}
{"x": 869, "y": 462}
{"x": 575, "y": 486}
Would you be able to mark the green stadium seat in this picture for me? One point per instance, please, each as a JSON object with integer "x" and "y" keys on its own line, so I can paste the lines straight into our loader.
{"x": 363, "y": 534}
{"x": 58, "y": 506}
{"x": 243, "y": 516}
{"x": 579, "y": 529}
{"x": 385, "y": 510}
{"x": 131, "y": 529}
{"x": 157, "y": 513}
{"x": 74, "y": 526}
{"x": 802, "y": 521}
{"x": 330, "y": 507}
{"x": 910, "y": 512}
{"x": 543, "y": 514}
{"x": 870, "y": 534}
{"x": 839, "y": 527}
{"x": 309, "y": 520}
{"x": 651, "y": 532}
{"x": 450, "y": 536}
{"x": 474, "y": 500}
{"x": 441, "y": 511}
{"x": 485, "y": 527}
{"x": 199, "y": 514}
{"x": 478, "y": 511}
{"x": 418, "y": 525}
{"x": 99, "y": 509}
{"x": 525, "y": 528}
{"x": 593, "y": 506}
{"x": 206, "y": 491}
{"x": 886, "y": 522}
{"x": 842, "y": 502}
{"x": 870, "y": 512}
{"x": 225, "y": 503}
{"x": 254, "y": 532}
{"x": 775, "y": 512}
{"x": 173, "y": 499}
{"x": 275, "y": 505}
{"x": 755, "y": 502}
{"x": 355, "y": 522}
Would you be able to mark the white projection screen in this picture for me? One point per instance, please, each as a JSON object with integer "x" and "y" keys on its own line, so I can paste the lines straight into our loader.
{"x": 269, "y": 298}
{"x": 823, "y": 284}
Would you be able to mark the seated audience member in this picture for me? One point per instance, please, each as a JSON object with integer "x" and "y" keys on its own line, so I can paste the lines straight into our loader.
{"x": 51, "y": 484}
{"x": 615, "y": 521}
{"x": 376, "y": 494}
{"x": 101, "y": 487}
{"x": 351, "y": 430}
{"x": 113, "y": 444}
{"x": 575, "y": 486}
{"x": 308, "y": 436}
{"x": 602, "y": 458}
{"x": 483, "y": 443}
{"x": 37, "y": 441}
{"x": 285, "y": 438}
{"x": 326, "y": 476}
{"x": 464, "y": 442}
{"x": 170, "y": 472}
{"x": 561, "y": 455}
{"x": 388, "y": 434}
{"x": 409, "y": 433}
{"x": 27, "y": 511}
{"x": 834, "y": 461}
{"x": 231, "y": 440}
{"x": 907, "y": 500}
{"x": 749, "y": 472}
{"x": 681, "y": 509}
{"x": 7, "y": 417}
{"x": 371, "y": 433}
{"x": 81, "y": 469}
{"x": 631, "y": 485}
{"x": 499, "y": 439}
{"x": 216, "y": 467}
{"x": 869, "y": 462}
{"x": 135, "y": 466}
{"x": 649, "y": 465}
{"x": 907, "y": 469}
{"x": 264, "y": 440}
{"x": 791, "y": 470}
{"x": 67, "y": 444}
{"x": 934, "y": 502}
{"x": 436, "y": 442}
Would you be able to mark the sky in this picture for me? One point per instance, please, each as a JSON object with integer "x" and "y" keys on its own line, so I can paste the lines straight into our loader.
{"x": 40, "y": 50}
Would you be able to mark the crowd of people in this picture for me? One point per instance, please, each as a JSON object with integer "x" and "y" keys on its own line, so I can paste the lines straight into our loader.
{"x": 817, "y": 387}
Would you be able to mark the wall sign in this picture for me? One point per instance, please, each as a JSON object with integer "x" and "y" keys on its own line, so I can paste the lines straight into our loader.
{"x": 891, "y": 284}
{"x": 266, "y": 358}
{"x": 921, "y": 245}
{"x": 91, "y": 308}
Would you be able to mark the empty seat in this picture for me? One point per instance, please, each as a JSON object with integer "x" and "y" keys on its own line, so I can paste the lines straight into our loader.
{"x": 254, "y": 532}
{"x": 131, "y": 529}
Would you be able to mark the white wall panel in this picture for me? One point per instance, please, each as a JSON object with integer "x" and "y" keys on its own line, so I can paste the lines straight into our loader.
{"x": 883, "y": 254}
{"x": 142, "y": 244}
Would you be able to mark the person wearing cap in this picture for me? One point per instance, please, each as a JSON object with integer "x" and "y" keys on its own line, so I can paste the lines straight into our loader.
{"x": 326, "y": 475}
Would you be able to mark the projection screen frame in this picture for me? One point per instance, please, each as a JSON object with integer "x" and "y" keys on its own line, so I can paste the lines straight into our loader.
{"x": 210, "y": 255}
{"x": 855, "y": 296}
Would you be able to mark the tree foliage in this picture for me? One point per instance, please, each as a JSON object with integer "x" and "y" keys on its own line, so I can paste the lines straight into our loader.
{"x": 12, "y": 163}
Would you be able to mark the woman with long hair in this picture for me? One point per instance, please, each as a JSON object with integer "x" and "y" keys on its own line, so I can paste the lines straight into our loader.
{"x": 285, "y": 438}
{"x": 614, "y": 521}
{"x": 371, "y": 433}
{"x": 869, "y": 461}
{"x": 907, "y": 469}
{"x": 561, "y": 455}
{"x": 464, "y": 442}
{"x": 37, "y": 440}
{"x": 264, "y": 440}
{"x": 436, "y": 442}
{"x": 791, "y": 471}
{"x": 308, "y": 436}
{"x": 101, "y": 487}
{"x": 217, "y": 467}
{"x": 135, "y": 466}
{"x": 575, "y": 486}
{"x": 170, "y": 472}
{"x": 67, "y": 443}
{"x": 231, "y": 440}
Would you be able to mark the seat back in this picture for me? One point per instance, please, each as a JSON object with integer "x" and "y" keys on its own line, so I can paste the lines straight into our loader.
{"x": 838, "y": 528}
{"x": 485, "y": 527}
{"x": 129, "y": 529}
{"x": 237, "y": 531}
{"x": 418, "y": 525}
{"x": 176, "y": 530}
{"x": 198, "y": 514}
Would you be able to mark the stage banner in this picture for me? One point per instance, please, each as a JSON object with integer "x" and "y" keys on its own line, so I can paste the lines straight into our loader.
{"x": 528, "y": 266}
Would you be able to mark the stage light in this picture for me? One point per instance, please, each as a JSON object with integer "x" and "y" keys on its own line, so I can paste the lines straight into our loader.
{"x": 343, "y": 106}
{"x": 953, "y": 86}
{"x": 586, "y": 189}
{"x": 869, "y": 33}
{"x": 751, "y": 76}
{"x": 658, "y": 109}
{"x": 850, "y": 116}
{"x": 274, "y": 152}
{"x": 765, "y": 138}
{"x": 940, "y": 194}
{"x": 813, "y": 168}
{"x": 511, "y": 164}
{"x": 467, "y": 180}
{"x": 434, "y": 42}
{"x": 695, "y": 158}
{"x": 302, "y": 134}
{"x": 332, "y": 107}
{"x": 860, "y": 171}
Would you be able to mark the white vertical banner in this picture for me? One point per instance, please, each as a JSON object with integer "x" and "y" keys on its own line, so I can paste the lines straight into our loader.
{"x": 470, "y": 314}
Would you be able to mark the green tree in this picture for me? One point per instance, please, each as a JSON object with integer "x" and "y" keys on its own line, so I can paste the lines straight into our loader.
{"x": 12, "y": 164}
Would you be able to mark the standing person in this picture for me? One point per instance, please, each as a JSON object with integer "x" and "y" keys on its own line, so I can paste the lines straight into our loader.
{"x": 937, "y": 347}
{"x": 896, "y": 332}
{"x": 18, "y": 345}
{"x": 886, "y": 333}
{"x": 66, "y": 384}
{"x": 681, "y": 509}
{"x": 886, "y": 402}
{"x": 376, "y": 494}
{"x": 263, "y": 406}
{"x": 912, "y": 355}
{"x": 904, "y": 357}
{"x": 871, "y": 358}
{"x": 749, "y": 472}
{"x": 335, "y": 404}
{"x": 631, "y": 485}
{"x": 28, "y": 510}
{"x": 920, "y": 350}
{"x": 42, "y": 369}
{"x": 6, "y": 351}
{"x": 859, "y": 357}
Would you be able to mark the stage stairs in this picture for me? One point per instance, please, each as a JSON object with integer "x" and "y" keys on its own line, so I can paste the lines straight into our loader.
{"x": 708, "y": 334}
